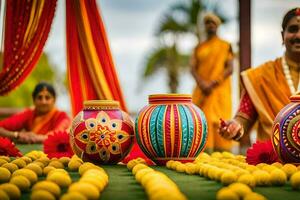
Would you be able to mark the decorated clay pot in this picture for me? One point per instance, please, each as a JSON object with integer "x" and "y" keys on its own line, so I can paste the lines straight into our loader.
{"x": 171, "y": 128}
{"x": 285, "y": 133}
{"x": 101, "y": 133}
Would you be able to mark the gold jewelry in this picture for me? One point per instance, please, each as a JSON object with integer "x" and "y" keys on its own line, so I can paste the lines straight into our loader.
{"x": 288, "y": 77}
{"x": 239, "y": 134}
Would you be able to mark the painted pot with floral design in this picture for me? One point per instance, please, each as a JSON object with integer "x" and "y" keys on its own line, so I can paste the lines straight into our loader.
{"x": 286, "y": 132}
{"x": 171, "y": 127}
{"x": 102, "y": 133}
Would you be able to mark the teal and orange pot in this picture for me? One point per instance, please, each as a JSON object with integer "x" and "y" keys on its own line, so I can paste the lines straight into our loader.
{"x": 171, "y": 127}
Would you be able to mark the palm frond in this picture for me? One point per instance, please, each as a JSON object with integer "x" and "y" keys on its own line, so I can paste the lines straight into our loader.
{"x": 196, "y": 8}
{"x": 180, "y": 7}
{"x": 170, "y": 24}
{"x": 156, "y": 60}
{"x": 165, "y": 57}
{"x": 188, "y": 11}
{"x": 221, "y": 15}
{"x": 184, "y": 60}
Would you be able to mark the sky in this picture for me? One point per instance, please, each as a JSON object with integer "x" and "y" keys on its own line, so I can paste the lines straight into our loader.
{"x": 131, "y": 25}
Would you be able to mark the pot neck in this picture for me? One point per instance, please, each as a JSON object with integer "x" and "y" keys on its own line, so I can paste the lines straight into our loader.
{"x": 101, "y": 105}
{"x": 295, "y": 98}
{"x": 169, "y": 98}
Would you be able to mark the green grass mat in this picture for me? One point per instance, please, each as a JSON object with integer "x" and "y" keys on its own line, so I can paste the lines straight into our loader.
{"x": 26, "y": 148}
{"x": 193, "y": 186}
{"x": 122, "y": 184}
{"x": 197, "y": 187}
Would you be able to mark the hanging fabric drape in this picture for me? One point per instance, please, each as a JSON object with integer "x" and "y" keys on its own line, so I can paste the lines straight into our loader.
{"x": 91, "y": 72}
{"x": 27, "y": 25}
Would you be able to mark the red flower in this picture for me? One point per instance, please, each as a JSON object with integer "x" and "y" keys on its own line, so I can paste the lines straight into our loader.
{"x": 8, "y": 148}
{"x": 261, "y": 152}
{"x": 58, "y": 145}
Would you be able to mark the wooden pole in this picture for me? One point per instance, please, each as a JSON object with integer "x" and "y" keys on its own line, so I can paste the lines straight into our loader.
{"x": 245, "y": 53}
{"x": 245, "y": 34}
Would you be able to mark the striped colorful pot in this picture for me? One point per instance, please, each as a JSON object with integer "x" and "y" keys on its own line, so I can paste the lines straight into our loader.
{"x": 285, "y": 133}
{"x": 102, "y": 133}
{"x": 171, "y": 128}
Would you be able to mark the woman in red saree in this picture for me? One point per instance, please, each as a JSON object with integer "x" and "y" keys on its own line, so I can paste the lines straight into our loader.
{"x": 33, "y": 125}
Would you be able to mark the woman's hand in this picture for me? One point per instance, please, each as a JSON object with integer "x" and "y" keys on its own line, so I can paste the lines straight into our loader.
{"x": 26, "y": 137}
{"x": 207, "y": 87}
{"x": 40, "y": 138}
{"x": 30, "y": 137}
{"x": 231, "y": 129}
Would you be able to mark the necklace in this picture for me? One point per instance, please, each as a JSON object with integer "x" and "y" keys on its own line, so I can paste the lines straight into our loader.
{"x": 288, "y": 77}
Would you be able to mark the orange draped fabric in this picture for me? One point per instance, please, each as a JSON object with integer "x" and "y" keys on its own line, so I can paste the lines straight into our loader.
{"x": 27, "y": 120}
{"x": 27, "y": 25}
{"x": 269, "y": 92}
{"x": 91, "y": 72}
{"x": 211, "y": 57}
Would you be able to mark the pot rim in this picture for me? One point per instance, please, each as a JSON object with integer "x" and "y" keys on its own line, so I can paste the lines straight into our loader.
{"x": 295, "y": 98}
{"x": 100, "y": 104}
{"x": 169, "y": 98}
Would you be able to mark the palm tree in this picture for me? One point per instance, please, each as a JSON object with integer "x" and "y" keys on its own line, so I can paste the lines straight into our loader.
{"x": 170, "y": 29}
{"x": 170, "y": 59}
{"x": 190, "y": 12}
{"x": 181, "y": 19}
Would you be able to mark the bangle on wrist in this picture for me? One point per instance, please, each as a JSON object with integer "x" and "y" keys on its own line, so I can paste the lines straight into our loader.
{"x": 16, "y": 135}
{"x": 239, "y": 135}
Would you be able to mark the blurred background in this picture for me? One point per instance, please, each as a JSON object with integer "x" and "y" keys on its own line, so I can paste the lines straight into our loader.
{"x": 140, "y": 30}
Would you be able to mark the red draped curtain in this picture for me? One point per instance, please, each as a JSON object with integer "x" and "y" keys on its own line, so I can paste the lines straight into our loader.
{"x": 91, "y": 71}
{"x": 27, "y": 25}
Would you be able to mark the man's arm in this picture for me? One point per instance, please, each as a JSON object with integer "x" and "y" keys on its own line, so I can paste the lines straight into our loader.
{"x": 228, "y": 67}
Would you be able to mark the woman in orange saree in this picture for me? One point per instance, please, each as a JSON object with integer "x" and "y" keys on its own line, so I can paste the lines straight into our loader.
{"x": 33, "y": 125}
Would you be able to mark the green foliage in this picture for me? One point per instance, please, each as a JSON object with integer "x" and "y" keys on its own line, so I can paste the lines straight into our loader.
{"x": 190, "y": 11}
{"x": 167, "y": 58}
{"x": 166, "y": 55}
{"x": 155, "y": 61}
{"x": 170, "y": 24}
{"x": 21, "y": 96}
